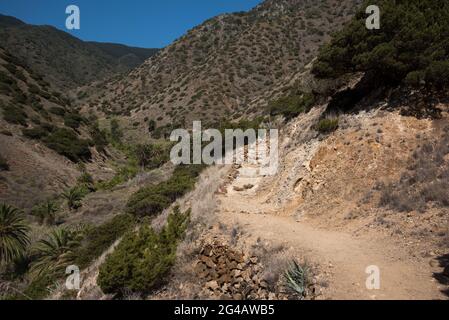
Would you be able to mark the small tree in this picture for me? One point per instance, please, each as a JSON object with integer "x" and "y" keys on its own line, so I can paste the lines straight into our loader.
{"x": 73, "y": 198}
{"x": 55, "y": 253}
{"x": 14, "y": 237}
{"x": 46, "y": 213}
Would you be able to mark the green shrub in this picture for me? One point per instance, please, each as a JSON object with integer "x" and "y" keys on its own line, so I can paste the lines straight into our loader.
{"x": 4, "y": 166}
{"x": 150, "y": 201}
{"x": 116, "y": 132}
{"x": 124, "y": 174}
{"x": 327, "y": 125}
{"x": 99, "y": 138}
{"x": 151, "y": 156}
{"x": 73, "y": 120}
{"x": 100, "y": 238}
{"x": 66, "y": 142}
{"x": 291, "y": 106}
{"x": 142, "y": 260}
{"x": 36, "y": 133}
{"x": 58, "y": 111}
{"x": 412, "y": 41}
{"x": 15, "y": 115}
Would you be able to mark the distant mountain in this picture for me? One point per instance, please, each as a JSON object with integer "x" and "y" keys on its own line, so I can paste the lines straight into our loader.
{"x": 228, "y": 67}
{"x": 66, "y": 61}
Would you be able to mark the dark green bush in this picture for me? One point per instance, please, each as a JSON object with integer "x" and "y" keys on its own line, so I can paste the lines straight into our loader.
{"x": 412, "y": 44}
{"x": 100, "y": 238}
{"x": 291, "y": 106}
{"x": 36, "y": 133}
{"x": 58, "y": 111}
{"x": 4, "y": 166}
{"x": 143, "y": 259}
{"x": 327, "y": 125}
{"x": 15, "y": 115}
{"x": 152, "y": 200}
{"x": 73, "y": 120}
{"x": 66, "y": 142}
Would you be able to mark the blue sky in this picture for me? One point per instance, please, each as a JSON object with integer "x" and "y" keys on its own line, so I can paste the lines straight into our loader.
{"x": 143, "y": 23}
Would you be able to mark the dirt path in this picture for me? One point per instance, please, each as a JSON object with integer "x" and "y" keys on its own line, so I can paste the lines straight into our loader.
{"x": 347, "y": 257}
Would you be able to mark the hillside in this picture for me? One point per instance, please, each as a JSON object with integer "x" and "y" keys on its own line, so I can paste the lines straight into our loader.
{"x": 362, "y": 179}
{"x": 66, "y": 61}
{"x": 230, "y": 66}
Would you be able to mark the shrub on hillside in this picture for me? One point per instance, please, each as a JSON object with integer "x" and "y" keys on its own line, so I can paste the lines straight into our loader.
{"x": 4, "y": 166}
{"x": 411, "y": 45}
{"x": 36, "y": 133}
{"x": 66, "y": 142}
{"x": 73, "y": 120}
{"x": 152, "y": 200}
{"x": 100, "y": 238}
{"x": 14, "y": 115}
{"x": 142, "y": 260}
{"x": 327, "y": 125}
{"x": 291, "y": 106}
{"x": 57, "y": 111}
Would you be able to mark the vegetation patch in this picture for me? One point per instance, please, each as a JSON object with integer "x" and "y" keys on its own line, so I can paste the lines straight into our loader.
{"x": 150, "y": 201}
{"x": 426, "y": 181}
{"x": 66, "y": 142}
{"x": 143, "y": 259}
{"x": 15, "y": 115}
{"x": 98, "y": 239}
{"x": 411, "y": 46}
{"x": 327, "y": 125}
{"x": 292, "y": 106}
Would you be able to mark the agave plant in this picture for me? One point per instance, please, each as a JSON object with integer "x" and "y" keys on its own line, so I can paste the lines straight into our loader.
{"x": 73, "y": 197}
{"x": 14, "y": 237}
{"x": 297, "y": 278}
{"x": 55, "y": 253}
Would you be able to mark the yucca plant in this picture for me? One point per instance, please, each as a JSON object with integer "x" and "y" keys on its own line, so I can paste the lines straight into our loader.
{"x": 55, "y": 253}
{"x": 297, "y": 278}
{"x": 14, "y": 237}
{"x": 73, "y": 197}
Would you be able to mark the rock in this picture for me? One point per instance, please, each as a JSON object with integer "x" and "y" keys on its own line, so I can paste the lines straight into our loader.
{"x": 224, "y": 279}
{"x": 271, "y": 296}
{"x": 212, "y": 285}
{"x": 237, "y": 296}
{"x": 254, "y": 260}
{"x": 434, "y": 263}
{"x": 446, "y": 271}
{"x": 248, "y": 186}
{"x": 208, "y": 261}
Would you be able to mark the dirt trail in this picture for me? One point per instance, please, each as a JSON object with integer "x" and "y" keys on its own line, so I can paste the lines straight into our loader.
{"x": 345, "y": 256}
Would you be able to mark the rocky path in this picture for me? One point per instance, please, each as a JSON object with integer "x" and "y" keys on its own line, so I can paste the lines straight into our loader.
{"x": 347, "y": 257}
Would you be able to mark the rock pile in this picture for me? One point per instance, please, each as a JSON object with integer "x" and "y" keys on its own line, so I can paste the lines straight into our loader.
{"x": 228, "y": 274}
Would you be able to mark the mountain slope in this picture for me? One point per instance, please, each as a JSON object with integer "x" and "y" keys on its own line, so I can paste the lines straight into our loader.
{"x": 65, "y": 60}
{"x": 229, "y": 66}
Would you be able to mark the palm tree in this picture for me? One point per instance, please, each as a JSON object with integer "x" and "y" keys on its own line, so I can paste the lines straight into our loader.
{"x": 13, "y": 234}
{"x": 73, "y": 197}
{"x": 46, "y": 213}
{"x": 56, "y": 252}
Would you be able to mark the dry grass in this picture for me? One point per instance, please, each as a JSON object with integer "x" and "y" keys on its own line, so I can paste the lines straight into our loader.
{"x": 426, "y": 181}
